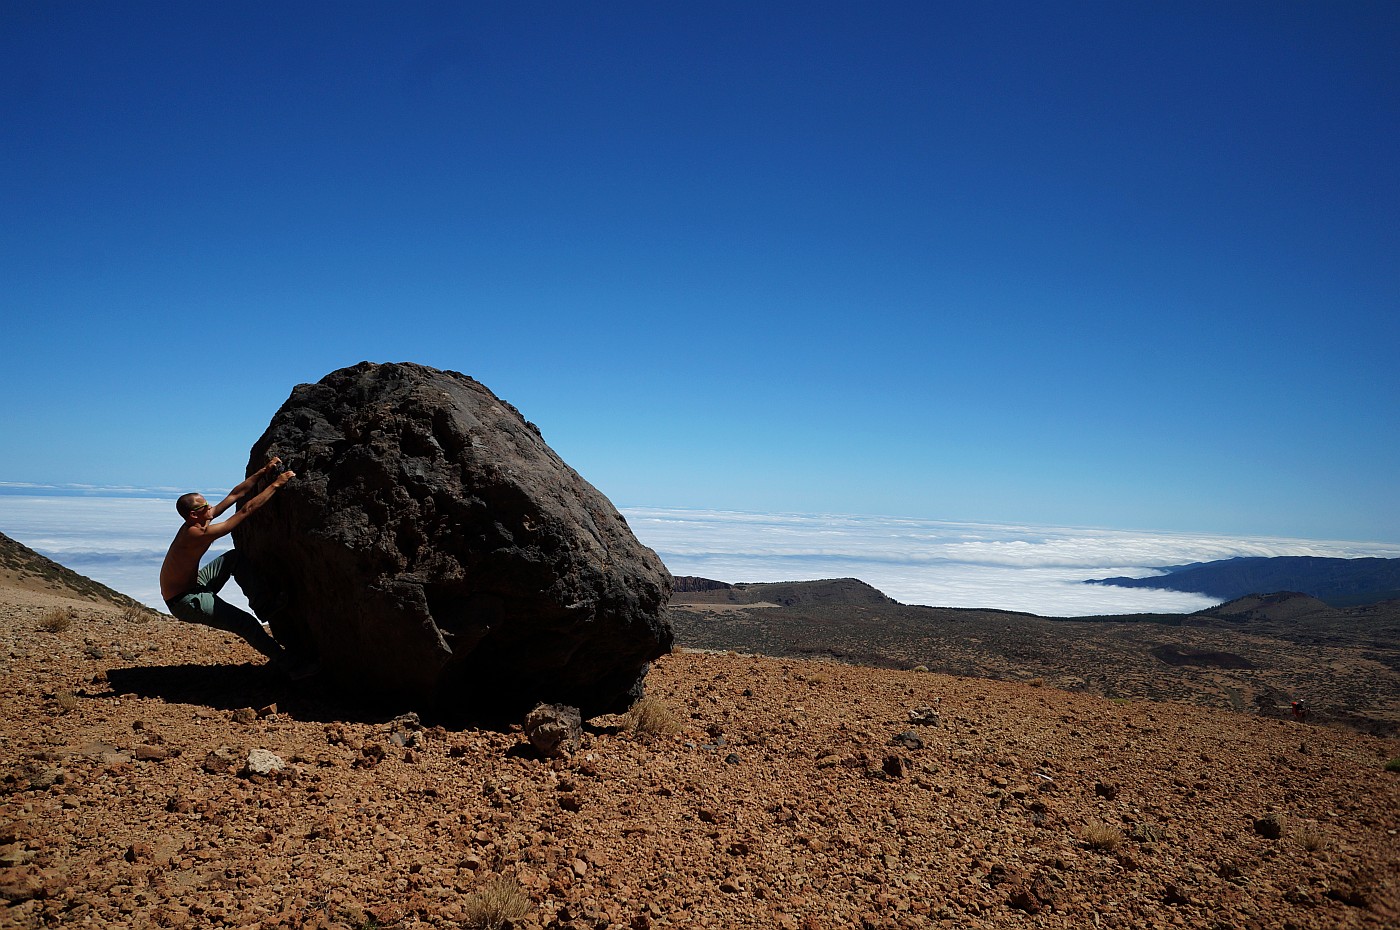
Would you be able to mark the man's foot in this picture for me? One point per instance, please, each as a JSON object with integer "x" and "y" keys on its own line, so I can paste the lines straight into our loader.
{"x": 299, "y": 669}
{"x": 272, "y": 606}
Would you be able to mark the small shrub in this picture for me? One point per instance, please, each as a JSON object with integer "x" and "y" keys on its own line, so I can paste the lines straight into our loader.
{"x": 65, "y": 702}
{"x": 56, "y": 619}
{"x": 1310, "y": 838}
{"x": 651, "y": 717}
{"x": 1036, "y": 682}
{"x": 1099, "y": 835}
{"x": 135, "y": 613}
{"x": 494, "y": 903}
{"x": 1393, "y": 765}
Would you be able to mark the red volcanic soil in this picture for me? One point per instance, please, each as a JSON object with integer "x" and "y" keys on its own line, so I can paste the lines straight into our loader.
{"x": 797, "y": 794}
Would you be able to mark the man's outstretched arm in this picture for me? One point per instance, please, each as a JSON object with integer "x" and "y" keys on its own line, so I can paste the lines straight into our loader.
{"x": 244, "y": 487}
{"x": 215, "y": 530}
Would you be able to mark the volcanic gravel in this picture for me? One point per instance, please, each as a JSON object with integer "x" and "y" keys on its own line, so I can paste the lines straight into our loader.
{"x": 798, "y": 794}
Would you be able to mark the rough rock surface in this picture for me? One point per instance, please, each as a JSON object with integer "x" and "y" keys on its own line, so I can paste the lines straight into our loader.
{"x": 777, "y": 806}
{"x": 433, "y": 548}
{"x": 554, "y": 730}
{"x": 262, "y": 762}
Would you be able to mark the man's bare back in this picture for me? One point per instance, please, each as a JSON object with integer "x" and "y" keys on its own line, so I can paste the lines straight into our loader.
{"x": 180, "y": 571}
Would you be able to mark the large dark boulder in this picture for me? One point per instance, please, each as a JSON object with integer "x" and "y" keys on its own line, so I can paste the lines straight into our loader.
{"x": 432, "y": 548}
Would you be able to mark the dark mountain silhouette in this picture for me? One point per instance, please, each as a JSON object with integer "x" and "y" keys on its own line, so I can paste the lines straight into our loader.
{"x": 829, "y": 592}
{"x": 1338, "y": 582}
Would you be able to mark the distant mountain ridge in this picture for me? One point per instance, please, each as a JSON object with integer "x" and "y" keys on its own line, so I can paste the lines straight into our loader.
{"x": 827, "y": 592}
{"x": 1337, "y": 582}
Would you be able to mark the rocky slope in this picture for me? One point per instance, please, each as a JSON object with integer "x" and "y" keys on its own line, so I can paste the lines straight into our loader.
{"x": 1255, "y": 655}
{"x": 23, "y": 568}
{"x": 140, "y": 788}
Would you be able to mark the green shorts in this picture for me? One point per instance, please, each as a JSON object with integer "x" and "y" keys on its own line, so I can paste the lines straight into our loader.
{"x": 202, "y": 604}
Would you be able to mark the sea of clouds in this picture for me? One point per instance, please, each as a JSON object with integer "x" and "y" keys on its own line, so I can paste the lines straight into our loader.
{"x": 1039, "y": 569}
{"x": 119, "y": 536}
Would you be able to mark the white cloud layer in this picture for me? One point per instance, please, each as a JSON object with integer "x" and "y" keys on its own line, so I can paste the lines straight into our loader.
{"x": 120, "y": 541}
{"x": 1040, "y": 569}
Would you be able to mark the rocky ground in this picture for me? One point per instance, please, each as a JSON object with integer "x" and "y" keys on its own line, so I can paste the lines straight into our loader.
{"x": 1254, "y": 655}
{"x": 798, "y": 794}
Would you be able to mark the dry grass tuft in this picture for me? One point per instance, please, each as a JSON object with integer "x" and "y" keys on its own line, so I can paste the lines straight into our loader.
{"x": 57, "y": 619}
{"x": 651, "y": 717}
{"x": 1099, "y": 835}
{"x": 1310, "y": 837}
{"x": 65, "y": 702}
{"x": 135, "y": 613}
{"x": 495, "y": 902}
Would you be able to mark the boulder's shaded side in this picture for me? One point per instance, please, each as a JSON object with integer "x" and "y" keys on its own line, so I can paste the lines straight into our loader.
{"x": 433, "y": 548}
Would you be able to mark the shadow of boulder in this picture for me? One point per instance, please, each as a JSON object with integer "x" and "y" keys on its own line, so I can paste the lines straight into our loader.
{"x": 230, "y": 687}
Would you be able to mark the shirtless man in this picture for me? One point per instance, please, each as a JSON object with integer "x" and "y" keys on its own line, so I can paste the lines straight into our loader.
{"x": 192, "y": 593}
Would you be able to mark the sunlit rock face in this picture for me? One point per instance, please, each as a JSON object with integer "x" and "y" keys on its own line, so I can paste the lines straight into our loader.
{"x": 433, "y": 548}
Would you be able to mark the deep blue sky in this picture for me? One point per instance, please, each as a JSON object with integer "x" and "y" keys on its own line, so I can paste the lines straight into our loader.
{"x": 1132, "y": 265}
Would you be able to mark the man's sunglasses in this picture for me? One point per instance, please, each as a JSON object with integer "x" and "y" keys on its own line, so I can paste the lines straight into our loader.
{"x": 201, "y": 508}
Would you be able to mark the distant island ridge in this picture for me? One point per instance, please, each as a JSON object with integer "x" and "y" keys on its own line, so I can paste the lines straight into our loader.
{"x": 1336, "y": 582}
